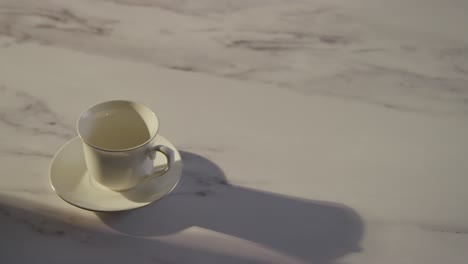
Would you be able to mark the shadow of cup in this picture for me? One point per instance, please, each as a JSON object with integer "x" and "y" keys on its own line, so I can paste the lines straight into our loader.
{"x": 314, "y": 231}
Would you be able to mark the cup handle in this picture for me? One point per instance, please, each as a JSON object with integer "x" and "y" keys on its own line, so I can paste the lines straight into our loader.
{"x": 166, "y": 151}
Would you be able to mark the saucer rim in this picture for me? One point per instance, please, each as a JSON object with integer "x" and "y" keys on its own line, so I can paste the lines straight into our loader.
{"x": 137, "y": 205}
{"x": 121, "y": 210}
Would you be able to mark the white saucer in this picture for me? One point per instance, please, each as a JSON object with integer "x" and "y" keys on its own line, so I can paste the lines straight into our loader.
{"x": 69, "y": 179}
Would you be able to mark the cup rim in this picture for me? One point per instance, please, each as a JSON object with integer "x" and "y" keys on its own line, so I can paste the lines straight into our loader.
{"x": 116, "y": 150}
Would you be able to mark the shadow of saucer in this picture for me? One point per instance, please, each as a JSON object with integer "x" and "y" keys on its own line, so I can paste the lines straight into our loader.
{"x": 32, "y": 235}
{"x": 313, "y": 231}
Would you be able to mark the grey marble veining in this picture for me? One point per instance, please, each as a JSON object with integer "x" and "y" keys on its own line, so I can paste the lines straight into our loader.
{"x": 311, "y": 48}
{"x": 311, "y": 131}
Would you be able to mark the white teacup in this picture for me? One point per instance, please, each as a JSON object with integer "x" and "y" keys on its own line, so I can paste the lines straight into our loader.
{"x": 118, "y": 142}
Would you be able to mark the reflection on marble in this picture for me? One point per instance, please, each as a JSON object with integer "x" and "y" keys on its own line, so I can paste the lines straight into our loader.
{"x": 326, "y": 111}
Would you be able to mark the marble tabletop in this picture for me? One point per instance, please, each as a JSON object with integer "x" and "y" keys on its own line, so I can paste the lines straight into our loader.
{"x": 311, "y": 131}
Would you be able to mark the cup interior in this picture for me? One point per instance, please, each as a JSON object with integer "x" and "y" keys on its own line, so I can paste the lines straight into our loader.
{"x": 117, "y": 125}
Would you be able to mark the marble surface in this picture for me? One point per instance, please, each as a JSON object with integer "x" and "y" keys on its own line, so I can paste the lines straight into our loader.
{"x": 311, "y": 131}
